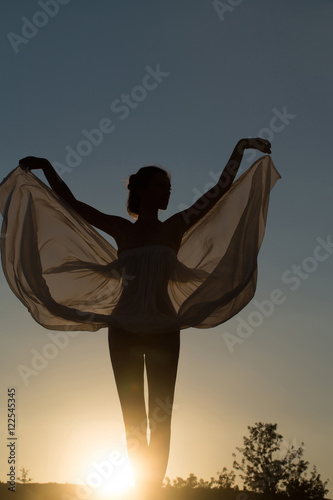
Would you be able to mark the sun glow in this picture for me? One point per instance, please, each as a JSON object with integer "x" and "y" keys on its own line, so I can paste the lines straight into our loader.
{"x": 106, "y": 476}
{"x": 116, "y": 485}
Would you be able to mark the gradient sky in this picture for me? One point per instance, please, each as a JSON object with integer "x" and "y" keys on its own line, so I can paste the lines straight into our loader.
{"x": 226, "y": 77}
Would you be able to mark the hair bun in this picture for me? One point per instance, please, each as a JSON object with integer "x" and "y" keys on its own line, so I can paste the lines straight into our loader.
{"x": 131, "y": 181}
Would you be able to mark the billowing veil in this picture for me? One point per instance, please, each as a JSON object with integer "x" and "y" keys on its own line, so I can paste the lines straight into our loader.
{"x": 70, "y": 278}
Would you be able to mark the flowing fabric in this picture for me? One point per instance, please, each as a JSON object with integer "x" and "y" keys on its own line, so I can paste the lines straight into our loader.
{"x": 70, "y": 278}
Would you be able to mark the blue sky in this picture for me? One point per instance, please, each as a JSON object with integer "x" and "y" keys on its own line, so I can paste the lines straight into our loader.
{"x": 225, "y": 77}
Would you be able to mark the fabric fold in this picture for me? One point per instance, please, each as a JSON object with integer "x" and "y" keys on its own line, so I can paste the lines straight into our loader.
{"x": 70, "y": 278}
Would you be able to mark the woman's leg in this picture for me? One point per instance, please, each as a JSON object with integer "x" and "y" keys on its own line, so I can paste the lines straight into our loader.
{"x": 127, "y": 358}
{"x": 160, "y": 353}
{"x": 161, "y": 358}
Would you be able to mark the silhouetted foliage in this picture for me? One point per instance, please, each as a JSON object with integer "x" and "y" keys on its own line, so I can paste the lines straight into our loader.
{"x": 265, "y": 469}
{"x": 24, "y": 476}
{"x": 179, "y": 482}
{"x": 268, "y": 470}
{"x": 225, "y": 480}
{"x": 300, "y": 487}
{"x": 192, "y": 481}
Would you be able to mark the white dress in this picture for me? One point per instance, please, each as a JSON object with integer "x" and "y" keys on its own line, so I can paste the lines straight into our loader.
{"x": 70, "y": 278}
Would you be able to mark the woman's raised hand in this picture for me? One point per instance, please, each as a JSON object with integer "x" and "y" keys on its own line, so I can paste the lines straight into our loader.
{"x": 31, "y": 162}
{"x": 258, "y": 143}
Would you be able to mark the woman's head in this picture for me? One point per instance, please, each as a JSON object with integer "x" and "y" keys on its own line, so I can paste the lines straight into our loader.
{"x": 151, "y": 182}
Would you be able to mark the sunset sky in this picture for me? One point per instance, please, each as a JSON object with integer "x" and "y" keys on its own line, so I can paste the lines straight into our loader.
{"x": 215, "y": 75}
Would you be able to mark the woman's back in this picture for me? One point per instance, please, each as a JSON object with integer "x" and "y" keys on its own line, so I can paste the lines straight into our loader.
{"x": 140, "y": 234}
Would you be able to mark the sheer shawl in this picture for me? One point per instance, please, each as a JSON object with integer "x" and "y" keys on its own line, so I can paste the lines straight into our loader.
{"x": 70, "y": 278}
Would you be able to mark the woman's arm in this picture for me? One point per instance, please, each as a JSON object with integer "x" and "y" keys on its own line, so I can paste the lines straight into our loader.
{"x": 109, "y": 223}
{"x": 185, "y": 219}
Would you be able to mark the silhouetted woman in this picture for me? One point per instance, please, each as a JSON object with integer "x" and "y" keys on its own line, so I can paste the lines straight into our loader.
{"x": 150, "y": 292}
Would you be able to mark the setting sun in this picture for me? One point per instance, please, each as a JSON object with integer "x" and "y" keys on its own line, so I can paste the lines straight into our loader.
{"x": 166, "y": 254}
{"x": 120, "y": 483}
{"x": 105, "y": 474}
